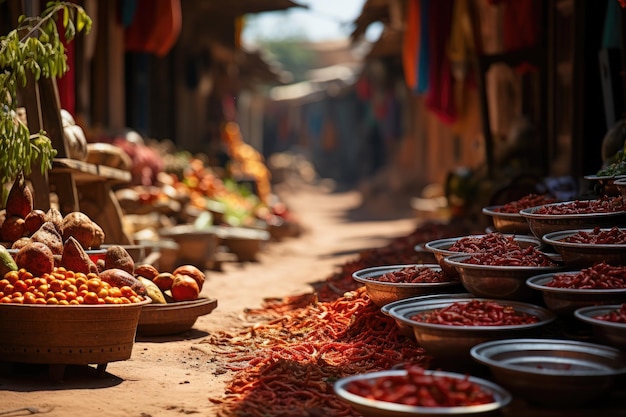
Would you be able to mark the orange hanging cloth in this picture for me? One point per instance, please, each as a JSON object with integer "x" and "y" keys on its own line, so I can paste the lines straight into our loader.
{"x": 410, "y": 43}
{"x": 155, "y": 27}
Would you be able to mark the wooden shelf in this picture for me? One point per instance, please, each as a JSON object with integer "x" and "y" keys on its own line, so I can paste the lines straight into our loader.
{"x": 85, "y": 172}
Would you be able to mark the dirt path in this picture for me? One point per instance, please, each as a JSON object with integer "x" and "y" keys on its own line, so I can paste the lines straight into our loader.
{"x": 172, "y": 376}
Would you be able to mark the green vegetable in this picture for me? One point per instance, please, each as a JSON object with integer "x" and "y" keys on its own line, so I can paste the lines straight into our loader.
{"x": 33, "y": 49}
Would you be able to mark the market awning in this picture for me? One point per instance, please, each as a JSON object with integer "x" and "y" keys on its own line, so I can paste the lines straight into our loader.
{"x": 242, "y": 7}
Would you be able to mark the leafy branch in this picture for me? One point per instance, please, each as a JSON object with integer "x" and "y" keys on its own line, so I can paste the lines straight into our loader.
{"x": 34, "y": 47}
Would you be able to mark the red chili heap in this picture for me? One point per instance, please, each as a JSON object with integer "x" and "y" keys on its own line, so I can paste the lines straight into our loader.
{"x": 421, "y": 390}
{"x": 476, "y": 313}
{"x": 612, "y": 236}
{"x": 413, "y": 275}
{"x": 530, "y": 200}
{"x": 493, "y": 242}
{"x": 616, "y": 316}
{"x": 529, "y": 256}
{"x": 604, "y": 204}
{"x": 600, "y": 276}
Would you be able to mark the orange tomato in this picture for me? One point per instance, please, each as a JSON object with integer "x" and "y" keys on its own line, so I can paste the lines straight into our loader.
{"x": 91, "y": 298}
{"x": 20, "y": 286}
{"x": 12, "y": 276}
{"x": 3, "y": 283}
{"x": 52, "y": 301}
{"x": 24, "y": 274}
{"x": 29, "y": 298}
{"x": 94, "y": 284}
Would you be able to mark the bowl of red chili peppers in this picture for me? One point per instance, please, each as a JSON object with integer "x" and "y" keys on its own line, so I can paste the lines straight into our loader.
{"x": 605, "y": 211}
{"x": 408, "y": 330}
{"x": 564, "y": 292}
{"x": 608, "y": 323}
{"x": 448, "y": 328}
{"x": 584, "y": 247}
{"x": 506, "y": 217}
{"x": 418, "y": 392}
{"x": 502, "y": 275}
{"x": 386, "y": 284}
{"x": 552, "y": 372}
{"x": 463, "y": 245}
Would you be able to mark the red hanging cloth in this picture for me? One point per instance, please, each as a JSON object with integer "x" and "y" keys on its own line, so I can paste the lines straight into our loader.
{"x": 155, "y": 27}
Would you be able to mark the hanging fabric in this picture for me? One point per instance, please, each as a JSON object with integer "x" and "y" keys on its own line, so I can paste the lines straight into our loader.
{"x": 440, "y": 98}
{"x": 423, "y": 65}
{"x": 155, "y": 27}
{"x": 410, "y": 44}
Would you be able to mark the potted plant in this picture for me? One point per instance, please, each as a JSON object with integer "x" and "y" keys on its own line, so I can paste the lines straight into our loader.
{"x": 27, "y": 53}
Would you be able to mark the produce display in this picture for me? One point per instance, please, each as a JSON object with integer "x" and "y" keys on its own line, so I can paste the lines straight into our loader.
{"x": 599, "y": 236}
{"x": 476, "y": 313}
{"x": 413, "y": 274}
{"x": 419, "y": 389}
{"x": 63, "y": 287}
{"x": 600, "y": 276}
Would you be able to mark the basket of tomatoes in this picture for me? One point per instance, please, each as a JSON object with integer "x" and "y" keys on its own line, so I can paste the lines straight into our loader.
{"x": 67, "y": 318}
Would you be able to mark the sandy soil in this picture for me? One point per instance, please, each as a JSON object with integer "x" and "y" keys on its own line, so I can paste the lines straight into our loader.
{"x": 173, "y": 376}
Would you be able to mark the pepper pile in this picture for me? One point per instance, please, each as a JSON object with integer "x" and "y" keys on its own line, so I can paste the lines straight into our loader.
{"x": 287, "y": 363}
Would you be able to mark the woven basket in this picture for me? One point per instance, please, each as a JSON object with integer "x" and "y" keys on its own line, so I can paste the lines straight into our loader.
{"x": 68, "y": 335}
{"x": 174, "y": 317}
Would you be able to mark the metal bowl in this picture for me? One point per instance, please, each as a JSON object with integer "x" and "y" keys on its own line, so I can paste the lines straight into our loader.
{"x": 550, "y": 371}
{"x": 620, "y": 184}
{"x": 604, "y": 184}
{"x": 606, "y": 332}
{"x": 440, "y": 248}
{"x": 507, "y": 222}
{"x": 374, "y": 408}
{"x": 382, "y": 292}
{"x": 564, "y": 301}
{"x": 408, "y": 330}
{"x": 453, "y": 343}
{"x": 497, "y": 281}
{"x": 542, "y": 224}
{"x": 585, "y": 254}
